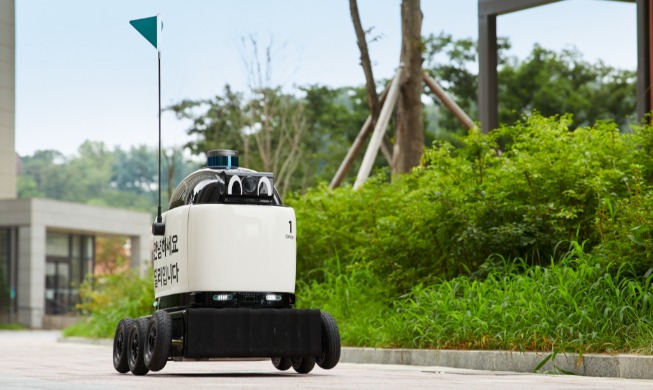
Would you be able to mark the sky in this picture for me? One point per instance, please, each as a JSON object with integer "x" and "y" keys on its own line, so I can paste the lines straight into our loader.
{"x": 84, "y": 73}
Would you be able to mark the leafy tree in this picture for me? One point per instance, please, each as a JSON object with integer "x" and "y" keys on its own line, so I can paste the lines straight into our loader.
{"x": 36, "y": 170}
{"x": 135, "y": 170}
{"x": 334, "y": 117}
{"x": 267, "y": 129}
{"x": 301, "y": 139}
{"x": 546, "y": 81}
{"x": 217, "y": 123}
{"x": 99, "y": 176}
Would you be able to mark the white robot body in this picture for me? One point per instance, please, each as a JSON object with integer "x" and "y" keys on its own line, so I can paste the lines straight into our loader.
{"x": 226, "y": 248}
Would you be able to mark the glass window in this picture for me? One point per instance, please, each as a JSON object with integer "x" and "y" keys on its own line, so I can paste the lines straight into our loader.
{"x": 5, "y": 267}
{"x": 69, "y": 258}
{"x": 56, "y": 244}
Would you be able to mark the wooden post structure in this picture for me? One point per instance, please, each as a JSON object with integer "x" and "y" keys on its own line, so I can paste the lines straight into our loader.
{"x": 372, "y": 150}
{"x": 379, "y": 131}
{"x": 447, "y": 101}
{"x": 356, "y": 146}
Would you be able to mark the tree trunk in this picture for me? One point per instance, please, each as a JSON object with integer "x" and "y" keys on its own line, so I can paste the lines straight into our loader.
{"x": 409, "y": 144}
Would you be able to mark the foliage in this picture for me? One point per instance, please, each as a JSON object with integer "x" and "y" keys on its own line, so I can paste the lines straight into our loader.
{"x": 546, "y": 81}
{"x": 12, "y": 327}
{"x": 626, "y": 228}
{"x": 577, "y": 304}
{"x": 424, "y": 261}
{"x": 300, "y": 138}
{"x": 268, "y": 129}
{"x": 464, "y": 205}
{"x": 110, "y": 255}
{"x": 99, "y": 176}
{"x": 543, "y": 245}
{"x": 354, "y": 295}
{"x": 108, "y": 298}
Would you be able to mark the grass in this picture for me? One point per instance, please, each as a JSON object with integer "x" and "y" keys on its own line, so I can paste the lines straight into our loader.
{"x": 576, "y": 305}
{"x": 12, "y": 327}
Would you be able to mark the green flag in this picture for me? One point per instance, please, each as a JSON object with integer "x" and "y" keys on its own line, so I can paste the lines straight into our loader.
{"x": 149, "y": 28}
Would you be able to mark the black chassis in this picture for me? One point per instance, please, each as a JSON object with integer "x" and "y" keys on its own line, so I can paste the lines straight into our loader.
{"x": 246, "y": 326}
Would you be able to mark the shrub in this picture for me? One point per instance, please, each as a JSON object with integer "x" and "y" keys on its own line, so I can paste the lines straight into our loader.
{"x": 445, "y": 218}
{"x": 626, "y": 227}
{"x": 109, "y": 298}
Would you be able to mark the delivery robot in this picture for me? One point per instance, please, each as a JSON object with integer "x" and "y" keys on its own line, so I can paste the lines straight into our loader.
{"x": 224, "y": 258}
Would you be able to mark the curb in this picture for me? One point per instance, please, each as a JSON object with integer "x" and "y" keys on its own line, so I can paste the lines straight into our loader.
{"x": 597, "y": 365}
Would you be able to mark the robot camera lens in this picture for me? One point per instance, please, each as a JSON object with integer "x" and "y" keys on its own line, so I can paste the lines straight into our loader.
{"x": 249, "y": 185}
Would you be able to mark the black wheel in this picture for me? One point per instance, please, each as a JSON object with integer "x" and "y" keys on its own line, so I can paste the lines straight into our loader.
{"x": 120, "y": 345}
{"x": 303, "y": 365}
{"x": 281, "y": 364}
{"x": 157, "y": 344}
{"x": 137, "y": 337}
{"x": 330, "y": 342}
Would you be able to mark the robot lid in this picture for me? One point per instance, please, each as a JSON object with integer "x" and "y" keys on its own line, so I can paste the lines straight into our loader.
{"x": 225, "y": 182}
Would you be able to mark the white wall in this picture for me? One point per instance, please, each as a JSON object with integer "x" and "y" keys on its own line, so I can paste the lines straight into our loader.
{"x": 7, "y": 100}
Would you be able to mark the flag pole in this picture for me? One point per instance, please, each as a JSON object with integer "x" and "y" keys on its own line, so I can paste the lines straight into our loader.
{"x": 149, "y": 28}
{"x": 158, "y": 227}
{"x": 158, "y": 215}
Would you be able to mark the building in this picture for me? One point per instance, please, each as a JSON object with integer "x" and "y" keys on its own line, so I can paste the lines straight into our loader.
{"x": 47, "y": 246}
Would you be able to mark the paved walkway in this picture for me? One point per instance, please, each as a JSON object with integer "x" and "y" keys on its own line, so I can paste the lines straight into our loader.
{"x": 35, "y": 360}
{"x": 598, "y": 365}
{"x": 595, "y": 365}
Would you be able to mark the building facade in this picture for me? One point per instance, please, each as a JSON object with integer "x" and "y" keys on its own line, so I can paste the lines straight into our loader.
{"x": 47, "y": 247}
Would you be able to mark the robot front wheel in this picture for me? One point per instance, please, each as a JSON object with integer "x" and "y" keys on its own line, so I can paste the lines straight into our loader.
{"x": 121, "y": 345}
{"x": 330, "y": 347}
{"x": 142, "y": 345}
{"x": 330, "y": 342}
{"x": 159, "y": 338}
{"x": 136, "y": 347}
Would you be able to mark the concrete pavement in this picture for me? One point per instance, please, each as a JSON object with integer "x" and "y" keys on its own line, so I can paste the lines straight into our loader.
{"x": 593, "y": 365}
{"x": 596, "y": 365}
{"x": 35, "y": 360}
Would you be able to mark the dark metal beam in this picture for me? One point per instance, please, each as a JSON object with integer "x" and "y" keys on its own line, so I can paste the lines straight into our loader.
{"x": 499, "y": 7}
{"x": 488, "y": 96}
{"x": 643, "y": 58}
{"x": 487, "y": 55}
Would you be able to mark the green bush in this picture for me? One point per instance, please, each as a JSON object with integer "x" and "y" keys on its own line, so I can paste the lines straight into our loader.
{"x": 545, "y": 185}
{"x": 109, "y": 298}
{"x": 626, "y": 229}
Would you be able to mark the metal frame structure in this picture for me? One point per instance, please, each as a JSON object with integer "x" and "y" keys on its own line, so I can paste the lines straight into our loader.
{"x": 488, "y": 10}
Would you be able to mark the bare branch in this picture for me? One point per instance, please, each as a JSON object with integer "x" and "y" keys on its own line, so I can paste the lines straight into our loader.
{"x": 372, "y": 96}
